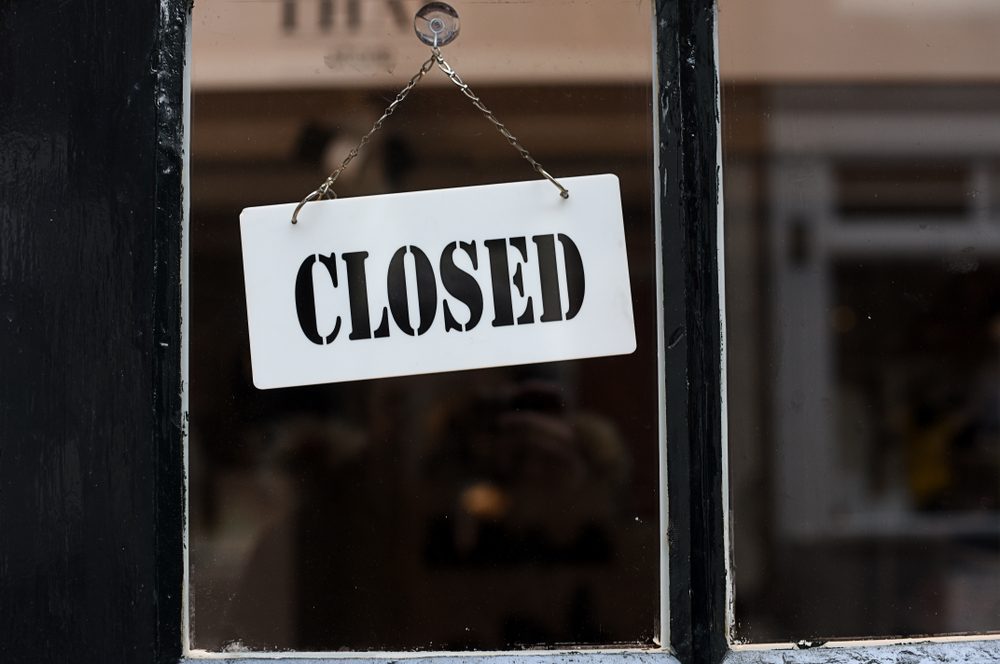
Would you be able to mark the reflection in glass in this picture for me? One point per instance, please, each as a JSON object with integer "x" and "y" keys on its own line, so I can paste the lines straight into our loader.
{"x": 863, "y": 325}
{"x": 484, "y": 509}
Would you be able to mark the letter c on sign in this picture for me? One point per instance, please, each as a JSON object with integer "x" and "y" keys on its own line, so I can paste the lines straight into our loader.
{"x": 305, "y": 298}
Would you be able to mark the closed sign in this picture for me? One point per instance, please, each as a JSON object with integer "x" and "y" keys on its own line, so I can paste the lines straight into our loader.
{"x": 430, "y": 281}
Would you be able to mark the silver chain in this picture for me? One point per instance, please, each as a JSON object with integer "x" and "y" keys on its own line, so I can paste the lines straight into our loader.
{"x": 325, "y": 190}
{"x": 478, "y": 103}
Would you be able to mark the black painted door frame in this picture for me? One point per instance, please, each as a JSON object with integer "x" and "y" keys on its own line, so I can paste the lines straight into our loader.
{"x": 91, "y": 483}
{"x": 91, "y": 425}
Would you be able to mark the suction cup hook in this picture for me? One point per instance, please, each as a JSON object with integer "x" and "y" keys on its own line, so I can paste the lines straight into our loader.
{"x": 436, "y": 24}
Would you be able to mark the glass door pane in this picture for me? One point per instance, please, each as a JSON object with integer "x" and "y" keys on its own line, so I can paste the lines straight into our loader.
{"x": 862, "y": 262}
{"x": 489, "y": 509}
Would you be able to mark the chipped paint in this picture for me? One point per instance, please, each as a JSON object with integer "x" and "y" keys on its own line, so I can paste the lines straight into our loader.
{"x": 611, "y": 656}
{"x": 915, "y": 652}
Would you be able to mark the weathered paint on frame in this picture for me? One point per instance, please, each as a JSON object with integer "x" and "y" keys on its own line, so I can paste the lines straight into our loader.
{"x": 91, "y": 489}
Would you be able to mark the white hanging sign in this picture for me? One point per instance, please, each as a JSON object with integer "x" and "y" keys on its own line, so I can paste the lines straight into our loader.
{"x": 430, "y": 281}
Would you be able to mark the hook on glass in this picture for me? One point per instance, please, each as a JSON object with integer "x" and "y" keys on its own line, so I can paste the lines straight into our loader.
{"x": 436, "y": 24}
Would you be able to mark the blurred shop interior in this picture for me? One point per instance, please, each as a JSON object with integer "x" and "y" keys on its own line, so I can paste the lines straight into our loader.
{"x": 519, "y": 507}
{"x": 862, "y": 207}
{"x": 501, "y": 508}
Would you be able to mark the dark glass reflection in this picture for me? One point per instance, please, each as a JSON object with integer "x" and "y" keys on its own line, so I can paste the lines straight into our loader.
{"x": 487, "y": 509}
{"x": 863, "y": 306}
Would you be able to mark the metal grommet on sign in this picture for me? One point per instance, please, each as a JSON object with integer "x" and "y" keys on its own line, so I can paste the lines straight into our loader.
{"x": 436, "y": 25}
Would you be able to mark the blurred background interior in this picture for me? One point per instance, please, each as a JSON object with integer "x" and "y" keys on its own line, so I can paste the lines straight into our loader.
{"x": 519, "y": 507}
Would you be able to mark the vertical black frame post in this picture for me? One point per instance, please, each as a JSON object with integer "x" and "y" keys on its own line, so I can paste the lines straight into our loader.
{"x": 91, "y": 209}
{"x": 689, "y": 205}
{"x": 170, "y": 509}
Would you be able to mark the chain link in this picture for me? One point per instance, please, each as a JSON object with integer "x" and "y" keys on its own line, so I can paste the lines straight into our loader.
{"x": 325, "y": 190}
{"x": 478, "y": 103}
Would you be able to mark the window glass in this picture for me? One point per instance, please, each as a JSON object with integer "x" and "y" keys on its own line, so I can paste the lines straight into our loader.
{"x": 863, "y": 310}
{"x": 485, "y": 509}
